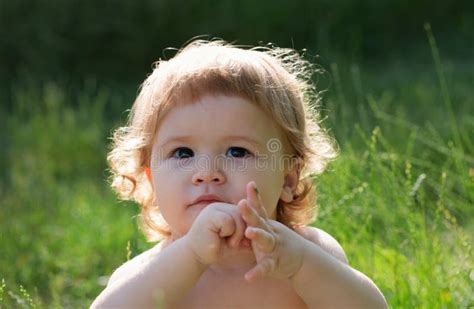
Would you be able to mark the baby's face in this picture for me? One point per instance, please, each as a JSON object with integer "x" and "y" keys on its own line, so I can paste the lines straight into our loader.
{"x": 215, "y": 145}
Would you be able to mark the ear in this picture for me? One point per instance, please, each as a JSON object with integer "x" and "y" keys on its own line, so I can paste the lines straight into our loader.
{"x": 148, "y": 175}
{"x": 292, "y": 176}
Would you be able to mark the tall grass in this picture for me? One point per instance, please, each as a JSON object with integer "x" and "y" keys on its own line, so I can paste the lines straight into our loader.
{"x": 404, "y": 222}
{"x": 60, "y": 227}
{"x": 399, "y": 199}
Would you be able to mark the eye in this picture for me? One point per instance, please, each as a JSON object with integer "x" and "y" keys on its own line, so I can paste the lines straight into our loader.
{"x": 181, "y": 153}
{"x": 238, "y": 152}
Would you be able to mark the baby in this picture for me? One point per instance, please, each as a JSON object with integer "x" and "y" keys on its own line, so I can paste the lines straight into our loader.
{"x": 219, "y": 152}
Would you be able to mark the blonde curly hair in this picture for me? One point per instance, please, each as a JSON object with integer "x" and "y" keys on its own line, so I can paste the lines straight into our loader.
{"x": 275, "y": 79}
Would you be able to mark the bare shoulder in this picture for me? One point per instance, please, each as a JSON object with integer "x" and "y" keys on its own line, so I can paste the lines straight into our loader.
{"x": 135, "y": 263}
{"x": 325, "y": 241}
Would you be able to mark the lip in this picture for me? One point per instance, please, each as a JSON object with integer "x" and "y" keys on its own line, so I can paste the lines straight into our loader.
{"x": 206, "y": 198}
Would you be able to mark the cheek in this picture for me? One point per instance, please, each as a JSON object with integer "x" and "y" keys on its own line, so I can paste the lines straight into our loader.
{"x": 166, "y": 175}
{"x": 170, "y": 198}
{"x": 270, "y": 186}
{"x": 166, "y": 188}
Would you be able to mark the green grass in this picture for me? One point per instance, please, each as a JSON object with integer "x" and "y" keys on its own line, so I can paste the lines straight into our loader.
{"x": 399, "y": 198}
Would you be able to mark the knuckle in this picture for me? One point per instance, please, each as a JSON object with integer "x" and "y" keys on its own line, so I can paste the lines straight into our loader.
{"x": 274, "y": 241}
{"x": 220, "y": 218}
{"x": 226, "y": 219}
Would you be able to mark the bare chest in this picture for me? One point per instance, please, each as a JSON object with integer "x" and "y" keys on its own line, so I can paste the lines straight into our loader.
{"x": 234, "y": 292}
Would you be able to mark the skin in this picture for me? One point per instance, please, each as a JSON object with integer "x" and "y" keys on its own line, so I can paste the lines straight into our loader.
{"x": 206, "y": 126}
{"x": 232, "y": 252}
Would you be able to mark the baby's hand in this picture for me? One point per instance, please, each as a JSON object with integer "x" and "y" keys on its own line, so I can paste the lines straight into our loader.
{"x": 216, "y": 225}
{"x": 278, "y": 250}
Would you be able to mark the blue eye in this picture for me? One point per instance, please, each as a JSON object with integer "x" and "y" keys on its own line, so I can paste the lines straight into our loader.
{"x": 238, "y": 152}
{"x": 182, "y": 153}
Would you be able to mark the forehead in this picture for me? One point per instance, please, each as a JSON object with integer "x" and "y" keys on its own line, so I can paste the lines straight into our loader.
{"x": 215, "y": 116}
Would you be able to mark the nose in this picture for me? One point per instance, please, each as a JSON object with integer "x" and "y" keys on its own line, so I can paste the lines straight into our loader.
{"x": 208, "y": 175}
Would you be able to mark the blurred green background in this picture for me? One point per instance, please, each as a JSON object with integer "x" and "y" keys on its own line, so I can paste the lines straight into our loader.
{"x": 397, "y": 96}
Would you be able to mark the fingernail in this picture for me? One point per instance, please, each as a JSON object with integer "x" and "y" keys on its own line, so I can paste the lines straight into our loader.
{"x": 256, "y": 190}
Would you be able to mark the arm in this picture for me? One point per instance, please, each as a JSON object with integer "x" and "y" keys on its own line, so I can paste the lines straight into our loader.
{"x": 338, "y": 284}
{"x": 171, "y": 272}
{"x": 311, "y": 259}
{"x": 167, "y": 276}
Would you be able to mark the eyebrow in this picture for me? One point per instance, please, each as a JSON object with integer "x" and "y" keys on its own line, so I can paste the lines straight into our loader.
{"x": 187, "y": 138}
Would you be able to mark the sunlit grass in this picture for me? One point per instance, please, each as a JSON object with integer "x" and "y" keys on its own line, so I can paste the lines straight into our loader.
{"x": 399, "y": 198}
{"x": 403, "y": 224}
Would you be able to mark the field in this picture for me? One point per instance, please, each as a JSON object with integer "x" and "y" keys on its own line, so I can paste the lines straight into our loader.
{"x": 399, "y": 198}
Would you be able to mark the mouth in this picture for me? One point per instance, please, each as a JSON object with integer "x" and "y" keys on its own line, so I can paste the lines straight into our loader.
{"x": 204, "y": 203}
{"x": 205, "y": 200}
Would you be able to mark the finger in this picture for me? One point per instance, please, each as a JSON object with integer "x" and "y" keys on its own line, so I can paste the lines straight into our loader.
{"x": 246, "y": 243}
{"x": 239, "y": 232}
{"x": 223, "y": 224}
{"x": 253, "y": 196}
{"x": 264, "y": 240}
{"x": 233, "y": 232}
{"x": 250, "y": 216}
{"x": 263, "y": 268}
